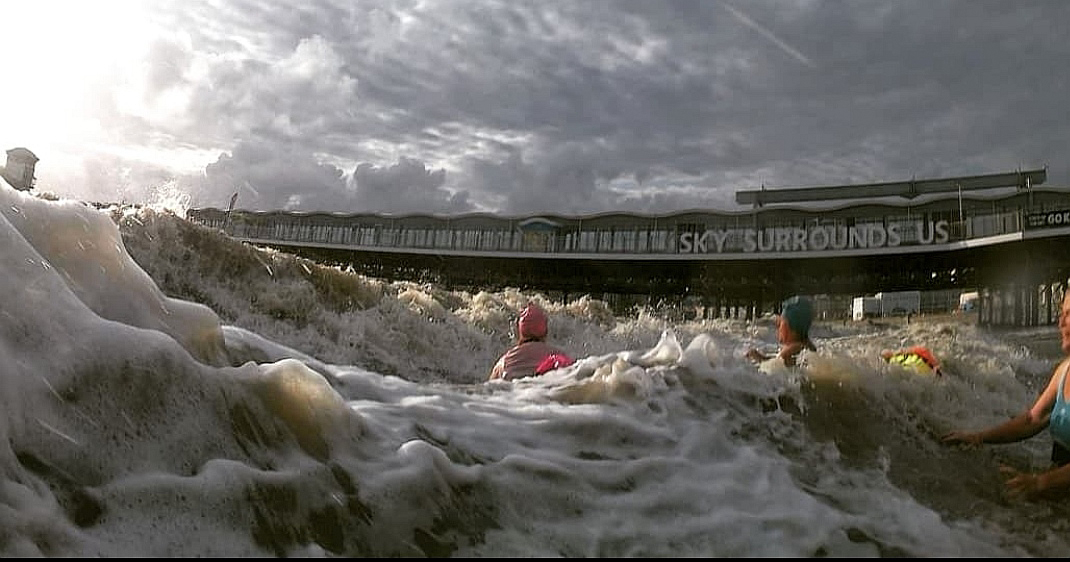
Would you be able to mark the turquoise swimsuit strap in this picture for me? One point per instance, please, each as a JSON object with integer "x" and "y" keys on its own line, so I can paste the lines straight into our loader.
{"x": 1062, "y": 381}
{"x": 1059, "y": 422}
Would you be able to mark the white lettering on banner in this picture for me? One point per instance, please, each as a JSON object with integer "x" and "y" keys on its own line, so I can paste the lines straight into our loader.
{"x": 819, "y": 238}
{"x": 1047, "y": 219}
{"x": 1055, "y": 219}
{"x": 685, "y": 242}
{"x": 719, "y": 238}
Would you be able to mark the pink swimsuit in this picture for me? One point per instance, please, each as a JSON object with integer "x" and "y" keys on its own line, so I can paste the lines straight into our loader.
{"x": 529, "y": 358}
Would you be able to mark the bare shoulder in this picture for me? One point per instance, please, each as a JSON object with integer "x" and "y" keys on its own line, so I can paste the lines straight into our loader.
{"x": 1056, "y": 375}
{"x": 1060, "y": 368}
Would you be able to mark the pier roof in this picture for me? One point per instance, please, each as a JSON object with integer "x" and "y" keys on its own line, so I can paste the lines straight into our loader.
{"x": 907, "y": 189}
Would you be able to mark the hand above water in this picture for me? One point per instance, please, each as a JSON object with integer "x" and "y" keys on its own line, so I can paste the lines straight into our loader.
{"x": 1024, "y": 485}
{"x": 962, "y": 438}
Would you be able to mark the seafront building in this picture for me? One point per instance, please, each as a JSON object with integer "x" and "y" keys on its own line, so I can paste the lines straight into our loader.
{"x": 18, "y": 172}
{"x": 1000, "y": 234}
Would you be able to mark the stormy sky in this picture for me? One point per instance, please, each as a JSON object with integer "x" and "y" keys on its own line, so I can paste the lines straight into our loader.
{"x": 516, "y": 107}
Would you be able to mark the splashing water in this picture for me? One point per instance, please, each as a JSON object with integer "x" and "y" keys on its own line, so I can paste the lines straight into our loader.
{"x": 170, "y": 392}
{"x": 168, "y": 197}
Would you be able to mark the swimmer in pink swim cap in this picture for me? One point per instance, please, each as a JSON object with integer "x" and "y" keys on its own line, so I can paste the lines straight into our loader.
{"x": 531, "y": 355}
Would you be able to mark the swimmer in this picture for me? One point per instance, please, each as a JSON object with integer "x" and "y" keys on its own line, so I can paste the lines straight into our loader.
{"x": 792, "y": 331}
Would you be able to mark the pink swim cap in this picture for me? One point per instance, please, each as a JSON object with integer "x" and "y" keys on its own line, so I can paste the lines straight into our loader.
{"x": 532, "y": 322}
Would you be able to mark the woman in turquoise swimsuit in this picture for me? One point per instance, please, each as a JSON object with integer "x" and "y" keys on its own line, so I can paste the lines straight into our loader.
{"x": 1050, "y": 410}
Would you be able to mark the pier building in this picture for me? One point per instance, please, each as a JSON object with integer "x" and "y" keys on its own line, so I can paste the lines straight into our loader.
{"x": 1002, "y": 235}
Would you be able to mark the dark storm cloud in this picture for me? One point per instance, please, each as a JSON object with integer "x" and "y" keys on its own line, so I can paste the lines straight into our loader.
{"x": 267, "y": 177}
{"x": 597, "y": 105}
{"x": 405, "y": 187}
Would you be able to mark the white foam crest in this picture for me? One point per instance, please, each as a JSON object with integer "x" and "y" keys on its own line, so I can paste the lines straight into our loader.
{"x": 666, "y": 352}
{"x": 661, "y": 440}
{"x": 168, "y": 197}
{"x": 84, "y": 246}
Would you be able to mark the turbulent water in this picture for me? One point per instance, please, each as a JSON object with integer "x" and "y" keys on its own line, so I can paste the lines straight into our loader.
{"x": 170, "y": 392}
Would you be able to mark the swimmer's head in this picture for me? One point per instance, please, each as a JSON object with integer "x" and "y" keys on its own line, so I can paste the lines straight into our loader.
{"x": 798, "y": 312}
{"x": 532, "y": 323}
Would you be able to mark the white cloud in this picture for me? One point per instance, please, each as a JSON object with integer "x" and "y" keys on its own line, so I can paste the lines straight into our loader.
{"x": 571, "y": 107}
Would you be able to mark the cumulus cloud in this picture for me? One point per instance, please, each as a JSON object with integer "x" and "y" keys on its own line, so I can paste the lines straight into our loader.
{"x": 267, "y": 178}
{"x": 570, "y": 107}
{"x": 405, "y": 187}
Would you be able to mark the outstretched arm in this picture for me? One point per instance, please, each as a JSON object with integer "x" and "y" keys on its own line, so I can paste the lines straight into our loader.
{"x": 1022, "y": 426}
{"x": 755, "y": 355}
{"x": 1029, "y": 485}
{"x": 1018, "y": 428}
{"x": 789, "y": 351}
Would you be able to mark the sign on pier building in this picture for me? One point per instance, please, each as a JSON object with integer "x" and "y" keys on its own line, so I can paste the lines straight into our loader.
{"x": 815, "y": 238}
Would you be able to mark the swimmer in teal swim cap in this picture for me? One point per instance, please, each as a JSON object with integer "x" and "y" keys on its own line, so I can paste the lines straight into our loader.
{"x": 792, "y": 331}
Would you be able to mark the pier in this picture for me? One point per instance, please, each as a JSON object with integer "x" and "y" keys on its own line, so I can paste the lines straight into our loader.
{"x": 944, "y": 234}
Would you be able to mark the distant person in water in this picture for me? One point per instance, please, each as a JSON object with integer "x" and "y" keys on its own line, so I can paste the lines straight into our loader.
{"x": 918, "y": 358}
{"x": 1050, "y": 410}
{"x": 531, "y": 355}
{"x": 792, "y": 331}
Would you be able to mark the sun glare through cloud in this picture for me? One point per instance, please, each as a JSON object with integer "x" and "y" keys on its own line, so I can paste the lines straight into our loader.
{"x": 525, "y": 107}
{"x": 269, "y": 270}
{"x": 61, "y": 57}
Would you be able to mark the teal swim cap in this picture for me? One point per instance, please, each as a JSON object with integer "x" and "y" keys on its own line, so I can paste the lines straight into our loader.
{"x": 799, "y": 313}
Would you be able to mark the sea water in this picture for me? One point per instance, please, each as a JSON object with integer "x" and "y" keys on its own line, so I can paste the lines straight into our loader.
{"x": 168, "y": 391}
